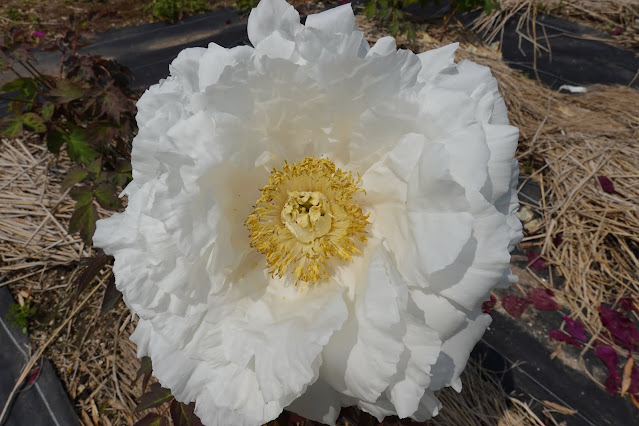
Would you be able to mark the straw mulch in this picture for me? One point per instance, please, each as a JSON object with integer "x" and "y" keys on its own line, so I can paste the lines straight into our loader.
{"x": 616, "y": 18}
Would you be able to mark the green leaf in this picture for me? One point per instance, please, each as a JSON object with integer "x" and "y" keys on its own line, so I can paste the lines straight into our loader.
{"x": 105, "y": 195}
{"x": 146, "y": 369}
{"x": 101, "y": 132}
{"x": 55, "y": 139}
{"x": 47, "y": 111}
{"x": 152, "y": 419}
{"x": 34, "y": 121}
{"x": 154, "y": 397}
{"x": 83, "y": 220}
{"x": 65, "y": 92}
{"x": 111, "y": 296}
{"x": 96, "y": 166}
{"x": 184, "y": 415}
{"x": 11, "y": 126}
{"x": 82, "y": 195}
{"x": 73, "y": 176}
{"x": 78, "y": 148}
{"x": 27, "y": 87}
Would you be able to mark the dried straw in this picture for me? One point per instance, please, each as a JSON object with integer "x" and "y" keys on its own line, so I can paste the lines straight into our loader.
{"x": 619, "y": 18}
{"x": 33, "y": 211}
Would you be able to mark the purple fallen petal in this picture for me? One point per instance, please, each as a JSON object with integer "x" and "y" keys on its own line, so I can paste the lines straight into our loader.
{"x": 557, "y": 240}
{"x": 613, "y": 383}
{"x": 606, "y": 184}
{"x": 541, "y": 299}
{"x": 627, "y": 304}
{"x": 609, "y": 357}
{"x": 515, "y": 305}
{"x": 575, "y": 329}
{"x": 563, "y": 337}
{"x": 488, "y": 304}
{"x": 535, "y": 260}
{"x": 39, "y": 34}
{"x": 620, "y": 326}
{"x": 634, "y": 381}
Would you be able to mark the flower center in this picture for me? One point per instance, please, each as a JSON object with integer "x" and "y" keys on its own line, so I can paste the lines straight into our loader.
{"x": 305, "y": 217}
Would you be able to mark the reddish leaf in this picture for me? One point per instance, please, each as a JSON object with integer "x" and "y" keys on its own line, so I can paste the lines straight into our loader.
{"x": 93, "y": 267}
{"x": 105, "y": 194}
{"x": 535, "y": 260}
{"x": 515, "y": 305}
{"x": 146, "y": 369}
{"x": 606, "y": 184}
{"x": 621, "y": 327}
{"x": 541, "y": 299}
{"x": 153, "y": 419}
{"x": 575, "y": 329}
{"x": 488, "y": 304}
{"x": 111, "y": 296}
{"x": 83, "y": 220}
{"x": 563, "y": 337}
{"x": 184, "y": 415}
{"x": 157, "y": 395}
{"x": 32, "y": 377}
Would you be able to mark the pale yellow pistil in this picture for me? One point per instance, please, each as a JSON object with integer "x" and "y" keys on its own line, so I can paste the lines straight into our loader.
{"x": 306, "y": 216}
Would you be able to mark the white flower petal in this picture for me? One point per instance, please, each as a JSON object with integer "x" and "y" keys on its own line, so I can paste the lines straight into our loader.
{"x": 339, "y": 19}
{"x": 270, "y": 16}
{"x": 456, "y": 350}
{"x": 430, "y": 139}
{"x": 319, "y": 403}
{"x": 437, "y": 60}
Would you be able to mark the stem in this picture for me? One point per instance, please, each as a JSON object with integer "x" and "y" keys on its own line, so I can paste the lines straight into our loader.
{"x": 15, "y": 72}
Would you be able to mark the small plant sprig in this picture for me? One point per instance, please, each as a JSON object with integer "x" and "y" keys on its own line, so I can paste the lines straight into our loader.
{"x": 390, "y": 12}
{"x": 87, "y": 111}
{"x": 19, "y": 315}
{"x": 174, "y": 10}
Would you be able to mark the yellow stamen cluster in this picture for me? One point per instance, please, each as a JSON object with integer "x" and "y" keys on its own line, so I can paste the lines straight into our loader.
{"x": 305, "y": 216}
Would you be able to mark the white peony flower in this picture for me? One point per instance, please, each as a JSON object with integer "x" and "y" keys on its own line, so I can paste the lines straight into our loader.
{"x": 313, "y": 223}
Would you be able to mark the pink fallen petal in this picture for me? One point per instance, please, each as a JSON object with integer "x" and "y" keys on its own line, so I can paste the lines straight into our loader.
{"x": 38, "y": 34}
{"x": 563, "y": 337}
{"x": 620, "y": 326}
{"x": 488, "y": 304}
{"x": 617, "y": 31}
{"x": 541, "y": 299}
{"x": 575, "y": 329}
{"x": 606, "y": 184}
{"x": 535, "y": 260}
{"x": 515, "y": 305}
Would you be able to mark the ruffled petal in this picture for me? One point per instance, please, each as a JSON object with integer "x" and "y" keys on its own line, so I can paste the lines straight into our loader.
{"x": 270, "y": 16}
